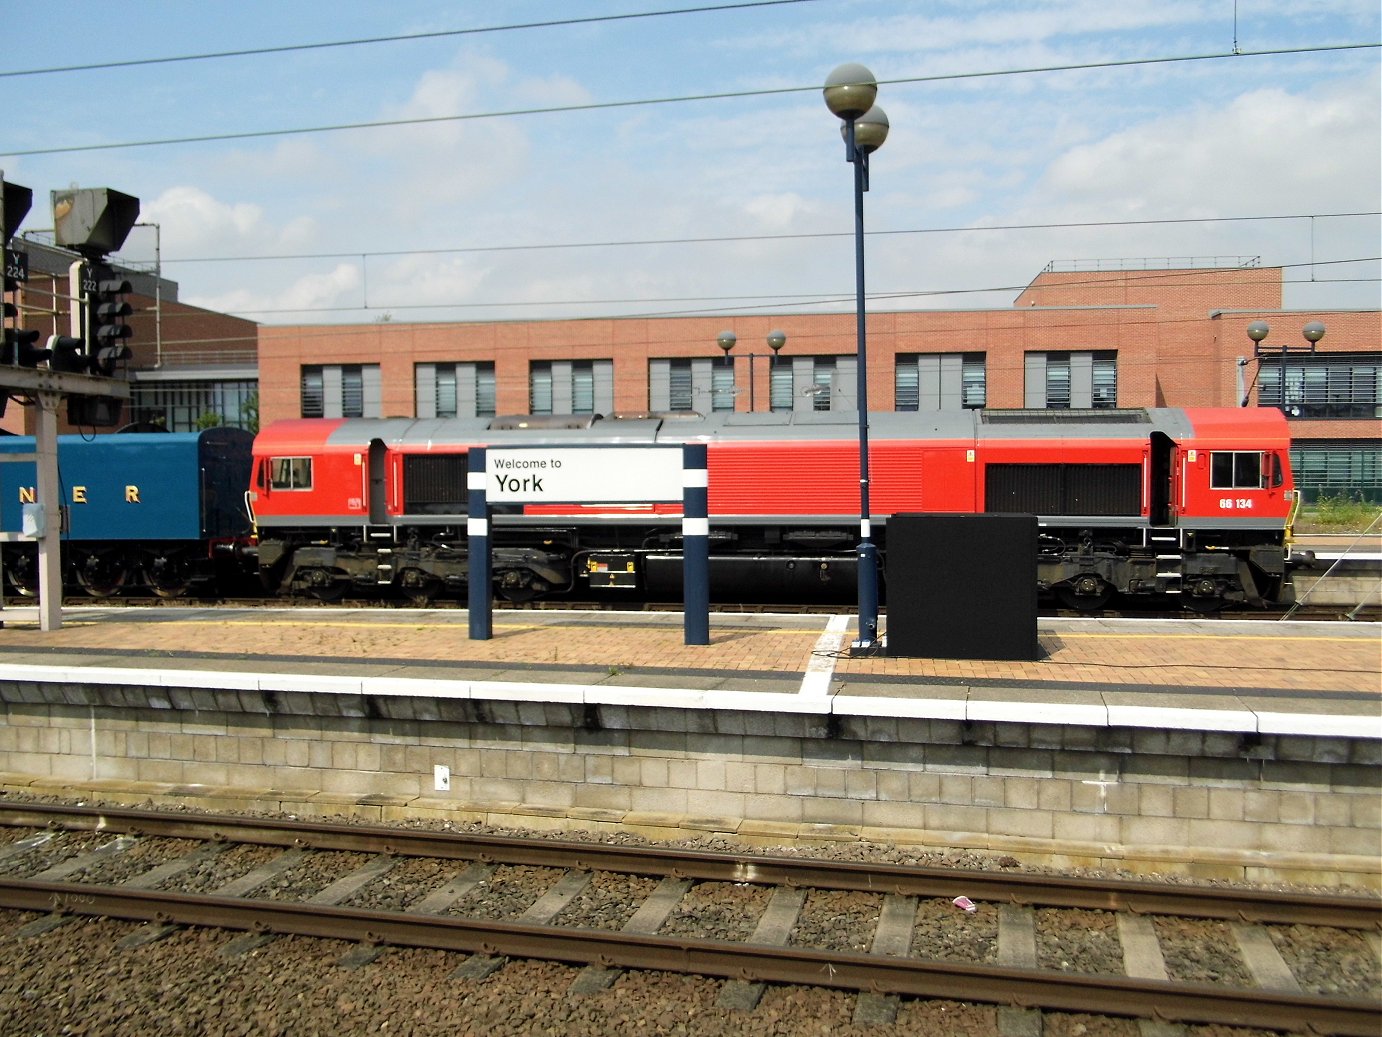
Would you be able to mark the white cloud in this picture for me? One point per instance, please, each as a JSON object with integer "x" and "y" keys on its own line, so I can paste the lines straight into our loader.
{"x": 194, "y": 223}
{"x": 340, "y": 287}
{"x": 1268, "y": 151}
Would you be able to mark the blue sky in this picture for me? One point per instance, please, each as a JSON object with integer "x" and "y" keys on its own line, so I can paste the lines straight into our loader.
{"x": 533, "y": 215}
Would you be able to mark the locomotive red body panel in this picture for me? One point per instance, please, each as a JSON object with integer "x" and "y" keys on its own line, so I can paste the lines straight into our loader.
{"x": 1235, "y": 471}
{"x": 1173, "y": 502}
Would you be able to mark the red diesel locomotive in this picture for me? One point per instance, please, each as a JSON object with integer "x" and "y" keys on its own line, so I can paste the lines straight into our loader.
{"x": 1190, "y": 504}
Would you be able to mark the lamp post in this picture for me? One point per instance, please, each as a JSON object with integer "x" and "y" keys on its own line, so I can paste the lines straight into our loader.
{"x": 1258, "y": 331}
{"x": 776, "y": 340}
{"x": 849, "y": 93}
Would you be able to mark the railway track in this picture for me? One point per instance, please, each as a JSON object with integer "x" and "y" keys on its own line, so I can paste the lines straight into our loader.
{"x": 1290, "y": 961}
{"x": 1302, "y": 613}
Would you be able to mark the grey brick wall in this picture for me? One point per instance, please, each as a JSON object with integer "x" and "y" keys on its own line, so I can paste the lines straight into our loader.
{"x": 1210, "y": 804}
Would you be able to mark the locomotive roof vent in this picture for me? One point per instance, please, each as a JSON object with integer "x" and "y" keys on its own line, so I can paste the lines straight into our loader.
{"x": 546, "y": 422}
{"x": 1080, "y": 416}
{"x": 655, "y": 415}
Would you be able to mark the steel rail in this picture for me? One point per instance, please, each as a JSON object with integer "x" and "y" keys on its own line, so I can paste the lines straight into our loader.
{"x": 1345, "y": 911}
{"x": 1030, "y": 988}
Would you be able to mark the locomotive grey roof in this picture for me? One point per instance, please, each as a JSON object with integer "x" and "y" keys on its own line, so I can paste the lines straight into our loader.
{"x": 808, "y": 426}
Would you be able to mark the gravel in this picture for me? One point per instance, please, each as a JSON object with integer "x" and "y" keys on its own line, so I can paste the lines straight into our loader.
{"x": 76, "y": 980}
{"x": 1079, "y": 941}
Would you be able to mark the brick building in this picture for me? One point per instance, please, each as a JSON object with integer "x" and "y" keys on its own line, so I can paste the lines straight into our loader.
{"x": 1072, "y": 339}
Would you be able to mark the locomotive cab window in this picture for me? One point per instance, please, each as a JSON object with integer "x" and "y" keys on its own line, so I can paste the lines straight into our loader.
{"x": 290, "y": 473}
{"x": 1236, "y": 470}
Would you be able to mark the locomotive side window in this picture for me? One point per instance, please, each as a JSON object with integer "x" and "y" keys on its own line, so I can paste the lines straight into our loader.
{"x": 290, "y": 473}
{"x": 1235, "y": 470}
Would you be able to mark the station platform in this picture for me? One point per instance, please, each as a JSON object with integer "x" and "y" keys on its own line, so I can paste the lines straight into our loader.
{"x": 1232, "y": 675}
{"x": 1220, "y": 748}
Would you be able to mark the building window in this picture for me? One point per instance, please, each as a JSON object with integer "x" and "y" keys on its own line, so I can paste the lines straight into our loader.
{"x": 183, "y": 406}
{"x": 1104, "y": 379}
{"x": 822, "y": 382}
{"x": 1323, "y": 385}
{"x": 1079, "y": 380}
{"x": 780, "y": 392}
{"x": 1057, "y": 382}
{"x": 352, "y": 392}
{"x": 582, "y": 388}
{"x": 444, "y": 396}
{"x": 571, "y": 386}
{"x": 722, "y": 387}
{"x": 461, "y": 390}
{"x": 680, "y": 386}
{"x": 1347, "y": 469}
{"x": 540, "y": 389}
{"x": 313, "y": 394}
{"x": 341, "y": 391}
{"x": 939, "y": 381}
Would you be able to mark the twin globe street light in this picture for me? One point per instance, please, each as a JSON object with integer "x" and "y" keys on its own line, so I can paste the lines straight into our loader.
{"x": 849, "y": 92}
{"x": 1258, "y": 330}
{"x": 776, "y": 340}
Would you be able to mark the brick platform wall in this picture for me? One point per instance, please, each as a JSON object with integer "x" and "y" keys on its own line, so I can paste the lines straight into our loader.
{"x": 1208, "y": 804}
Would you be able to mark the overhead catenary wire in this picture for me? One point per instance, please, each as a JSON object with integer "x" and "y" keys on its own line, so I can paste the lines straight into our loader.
{"x": 681, "y": 99}
{"x": 774, "y": 302}
{"x": 740, "y": 238}
{"x": 553, "y": 23}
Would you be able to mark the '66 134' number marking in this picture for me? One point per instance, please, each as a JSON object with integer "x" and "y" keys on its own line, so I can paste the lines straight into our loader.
{"x": 1234, "y": 503}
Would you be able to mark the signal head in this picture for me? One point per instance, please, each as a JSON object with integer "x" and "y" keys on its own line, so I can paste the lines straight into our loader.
{"x": 19, "y": 349}
{"x": 67, "y": 354}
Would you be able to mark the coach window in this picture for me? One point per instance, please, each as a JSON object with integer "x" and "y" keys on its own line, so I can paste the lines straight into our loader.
{"x": 290, "y": 473}
{"x": 1235, "y": 470}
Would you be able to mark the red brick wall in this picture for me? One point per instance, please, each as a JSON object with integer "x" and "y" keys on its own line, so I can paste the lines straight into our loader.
{"x": 1178, "y": 334}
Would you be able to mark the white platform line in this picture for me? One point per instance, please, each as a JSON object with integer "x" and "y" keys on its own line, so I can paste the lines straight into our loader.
{"x": 820, "y": 670}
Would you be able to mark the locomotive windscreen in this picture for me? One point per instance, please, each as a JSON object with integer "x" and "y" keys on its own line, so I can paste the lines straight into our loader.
{"x": 435, "y": 484}
{"x": 1063, "y": 489}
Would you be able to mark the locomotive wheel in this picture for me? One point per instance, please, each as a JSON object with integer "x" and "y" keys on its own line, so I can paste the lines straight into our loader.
{"x": 323, "y": 585}
{"x": 21, "y": 568}
{"x": 1204, "y": 598}
{"x": 422, "y": 592}
{"x": 102, "y": 573}
{"x": 170, "y": 575}
{"x": 1085, "y": 593}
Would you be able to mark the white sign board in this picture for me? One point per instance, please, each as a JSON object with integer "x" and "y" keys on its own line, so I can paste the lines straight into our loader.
{"x": 583, "y": 475}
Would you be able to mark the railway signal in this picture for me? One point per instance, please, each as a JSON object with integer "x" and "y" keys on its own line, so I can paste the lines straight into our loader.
{"x": 19, "y": 348}
{"x": 108, "y": 309}
{"x": 66, "y": 353}
{"x": 17, "y": 345}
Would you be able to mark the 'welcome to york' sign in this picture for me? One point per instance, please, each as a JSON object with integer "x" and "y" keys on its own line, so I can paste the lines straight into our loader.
{"x": 577, "y": 475}
{"x": 592, "y": 475}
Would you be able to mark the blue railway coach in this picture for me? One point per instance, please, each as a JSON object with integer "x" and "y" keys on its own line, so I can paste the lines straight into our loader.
{"x": 156, "y": 510}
